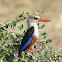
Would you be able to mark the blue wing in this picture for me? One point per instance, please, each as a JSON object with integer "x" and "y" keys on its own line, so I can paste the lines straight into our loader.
{"x": 25, "y": 46}
{"x": 26, "y": 40}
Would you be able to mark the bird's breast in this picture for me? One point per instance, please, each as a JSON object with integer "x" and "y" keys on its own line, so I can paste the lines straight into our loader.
{"x": 36, "y": 33}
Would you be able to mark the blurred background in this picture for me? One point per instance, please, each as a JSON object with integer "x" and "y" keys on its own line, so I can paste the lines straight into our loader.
{"x": 50, "y": 9}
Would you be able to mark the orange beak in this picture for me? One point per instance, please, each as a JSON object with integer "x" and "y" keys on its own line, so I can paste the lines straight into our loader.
{"x": 43, "y": 20}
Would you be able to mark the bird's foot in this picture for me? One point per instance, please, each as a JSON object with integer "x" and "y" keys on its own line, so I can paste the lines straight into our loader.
{"x": 31, "y": 49}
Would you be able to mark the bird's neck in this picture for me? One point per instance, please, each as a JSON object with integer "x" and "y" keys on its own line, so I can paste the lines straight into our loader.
{"x": 35, "y": 28}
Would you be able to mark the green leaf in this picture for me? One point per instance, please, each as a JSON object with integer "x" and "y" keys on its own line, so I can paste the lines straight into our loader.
{"x": 17, "y": 28}
{"x": 20, "y": 27}
{"x": 14, "y": 23}
{"x": 31, "y": 59}
{"x": 3, "y": 57}
{"x": 12, "y": 55}
{"x": 1, "y": 34}
{"x": 6, "y": 38}
{"x": 48, "y": 41}
{"x": 24, "y": 32}
{"x": 24, "y": 17}
{"x": 8, "y": 50}
{"x": 2, "y": 28}
{"x": 38, "y": 24}
{"x": 3, "y": 52}
{"x": 11, "y": 35}
{"x": 44, "y": 37}
{"x": 22, "y": 35}
{"x": 27, "y": 13}
{"x": 23, "y": 53}
{"x": 26, "y": 58}
{"x": 18, "y": 20}
{"x": 36, "y": 13}
{"x": 44, "y": 33}
{"x": 60, "y": 49}
{"x": 34, "y": 46}
{"x": 11, "y": 25}
{"x": 43, "y": 26}
{"x": 4, "y": 33}
{"x": 0, "y": 24}
{"x": 6, "y": 25}
{"x": 21, "y": 15}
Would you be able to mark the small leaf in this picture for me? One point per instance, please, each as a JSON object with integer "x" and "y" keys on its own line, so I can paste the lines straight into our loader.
{"x": 44, "y": 37}
{"x": 6, "y": 25}
{"x": 18, "y": 20}
{"x": 23, "y": 53}
{"x": 17, "y": 35}
{"x": 20, "y": 27}
{"x": 43, "y": 26}
{"x": 14, "y": 39}
{"x": 3, "y": 52}
{"x": 27, "y": 13}
{"x": 60, "y": 49}
{"x": 8, "y": 50}
{"x": 34, "y": 46}
{"x": 14, "y": 23}
{"x": 2, "y": 28}
{"x": 22, "y": 35}
{"x": 38, "y": 24}
{"x": 36, "y": 13}
{"x": 48, "y": 41}
{"x": 21, "y": 15}
{"x": 24, "y": 17}
{"x": 6, "y": 38}
{"x": 11, "y": 25}
{"x": 17, "y": 28}
{"x": 44, "y": 33}
{"x": 4, "y": 33}
{"x": 12, "y": 55}
{"x": 3, "y": 57}
{"x": 24, "y": 32}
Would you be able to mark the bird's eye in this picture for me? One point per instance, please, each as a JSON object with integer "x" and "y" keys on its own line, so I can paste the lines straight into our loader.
{"x": 35, "y": 18}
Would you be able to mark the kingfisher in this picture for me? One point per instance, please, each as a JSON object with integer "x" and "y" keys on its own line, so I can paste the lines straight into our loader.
{"x": 32, "y": 34}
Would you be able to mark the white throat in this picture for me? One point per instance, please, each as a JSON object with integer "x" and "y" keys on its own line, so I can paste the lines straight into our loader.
{"x": 34, "y": 24}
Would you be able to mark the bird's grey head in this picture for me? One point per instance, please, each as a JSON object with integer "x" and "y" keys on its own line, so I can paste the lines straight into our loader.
{"x": 32, "y": 19}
